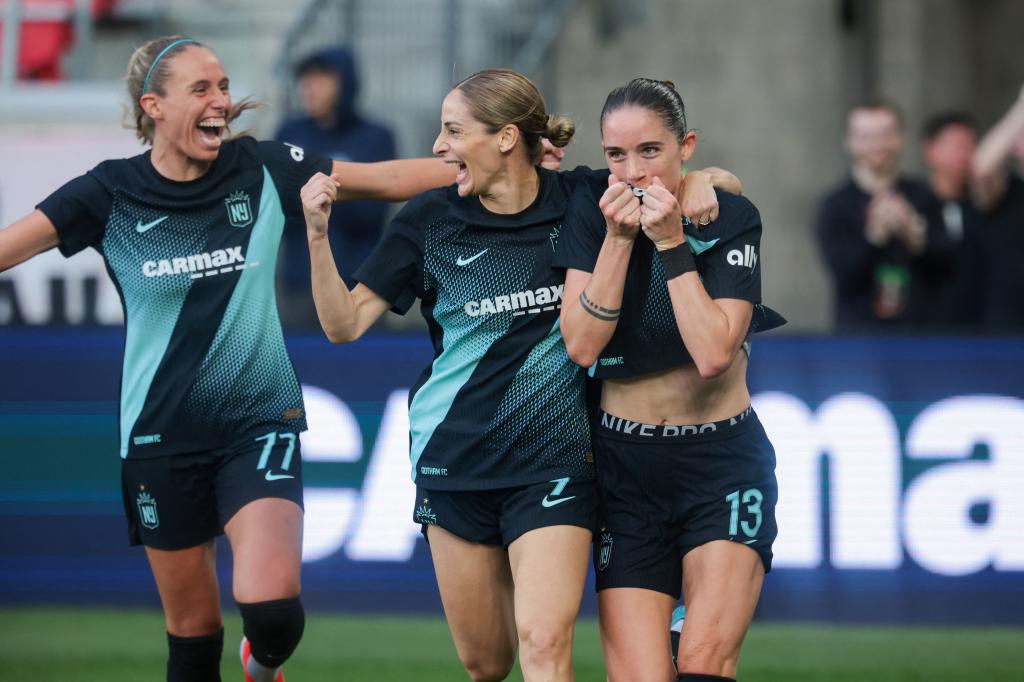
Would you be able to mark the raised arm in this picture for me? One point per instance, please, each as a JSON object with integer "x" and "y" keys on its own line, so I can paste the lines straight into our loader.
{"x": 988, "y": 174}
{"x": 593, "y": 300}
{"x": 713, "y": 330}
{"x": 398, "y": 180}
{"x": 26, "y": 237}
{"x": 344, "y": 315}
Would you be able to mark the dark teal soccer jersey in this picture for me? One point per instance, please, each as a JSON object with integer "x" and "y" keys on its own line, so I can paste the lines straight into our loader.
{"x": 205, "y": 363}
{"x": 501, "y": 405}
{"x": 647, "y": 338}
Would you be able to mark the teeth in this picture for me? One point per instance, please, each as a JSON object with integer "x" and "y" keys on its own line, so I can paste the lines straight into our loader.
{"x": 212, "y": 123}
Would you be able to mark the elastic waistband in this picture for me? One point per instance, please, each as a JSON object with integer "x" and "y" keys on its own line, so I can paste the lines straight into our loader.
{"x": 611, "y": 426}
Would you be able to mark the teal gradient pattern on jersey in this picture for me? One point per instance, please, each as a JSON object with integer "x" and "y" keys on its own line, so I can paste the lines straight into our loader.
{"x": 465, "y": 339}
{"x": 152, "y": 305}
{"x": 246, "y": 378}
{"x": 526, "y": 426}
{"x": 659, "y": 319}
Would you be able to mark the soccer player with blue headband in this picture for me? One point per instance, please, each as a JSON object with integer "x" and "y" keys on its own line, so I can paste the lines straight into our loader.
{"x": 210, "y": 405}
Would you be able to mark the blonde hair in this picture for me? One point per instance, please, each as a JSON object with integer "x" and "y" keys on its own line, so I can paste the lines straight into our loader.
{"x": 149, "y": 68}
{"x": 500, "y": 97}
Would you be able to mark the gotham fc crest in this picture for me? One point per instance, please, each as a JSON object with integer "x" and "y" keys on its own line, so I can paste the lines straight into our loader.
{"x": 604, "y": 554}
{"x": 426, "y": 515}
{"x": 239, "y": 209}
{"x": 147, "y": 511}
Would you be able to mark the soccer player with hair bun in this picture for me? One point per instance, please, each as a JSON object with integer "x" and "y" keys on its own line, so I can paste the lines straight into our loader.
{"x": 500, "y": 443}
{"x": 210, "y": 406}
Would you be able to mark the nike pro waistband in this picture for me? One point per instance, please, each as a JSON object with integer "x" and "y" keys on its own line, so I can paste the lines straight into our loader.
{"x": 625, "y": 429}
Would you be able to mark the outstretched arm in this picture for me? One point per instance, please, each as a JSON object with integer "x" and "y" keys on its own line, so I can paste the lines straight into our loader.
{"x": 398, "y": 180}
{"x": 26, "y": 237}
{"x": 989, "y": 177}
{"x": 344, "y": 315}
{"x": 402, "y": 179}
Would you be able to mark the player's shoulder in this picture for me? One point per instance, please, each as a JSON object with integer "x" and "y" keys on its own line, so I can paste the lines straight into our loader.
{"x": 586, "y": 188}
{"x": 585, "y": 180}
{"x": 734, "y": 205}
{"x": 266, "y": 149}
{"x": 130, "y": 173}
{"x": 429, "y": 206}
{"x": 270, "y": 152}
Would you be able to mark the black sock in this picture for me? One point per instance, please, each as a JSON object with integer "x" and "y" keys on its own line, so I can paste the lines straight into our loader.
{"x": 194, "y": 659}
{"x": 700, "y": 677}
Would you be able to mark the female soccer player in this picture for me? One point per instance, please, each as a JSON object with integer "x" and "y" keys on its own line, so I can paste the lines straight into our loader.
{"x": 210, "y": 406}
{"x": 500, "y": 442}
{"x": 685, "y": 471}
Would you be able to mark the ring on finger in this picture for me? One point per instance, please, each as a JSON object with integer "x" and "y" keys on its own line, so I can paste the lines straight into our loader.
{"x": 704, "y": 220}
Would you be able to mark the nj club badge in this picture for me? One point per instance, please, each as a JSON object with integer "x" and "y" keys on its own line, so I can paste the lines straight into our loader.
{"x": 147, "y": 511}
{"x": 239, "y": 209}
{"x": 604, "y": 555}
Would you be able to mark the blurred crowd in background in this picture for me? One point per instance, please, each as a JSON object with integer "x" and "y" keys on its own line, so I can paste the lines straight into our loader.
{"x": 921, "y": 232}
{"x": 939, "y": 253}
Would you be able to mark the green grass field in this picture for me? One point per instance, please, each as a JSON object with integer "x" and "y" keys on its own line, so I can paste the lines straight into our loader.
{"x": 93, "y": 645}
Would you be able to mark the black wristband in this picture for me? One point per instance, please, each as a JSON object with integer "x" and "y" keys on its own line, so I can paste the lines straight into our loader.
{"x": 677, "y": 261}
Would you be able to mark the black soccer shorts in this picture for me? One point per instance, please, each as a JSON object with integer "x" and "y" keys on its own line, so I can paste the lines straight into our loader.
{"x": 667, "y": 489}
{"x": 499, "y": 517}
{"x": 181, "y": 501}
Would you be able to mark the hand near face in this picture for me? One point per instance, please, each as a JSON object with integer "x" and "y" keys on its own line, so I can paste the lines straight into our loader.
{"x": 318, "y": 195}
{"x": 661, "y": 217}
{"x": 621, "y": 209}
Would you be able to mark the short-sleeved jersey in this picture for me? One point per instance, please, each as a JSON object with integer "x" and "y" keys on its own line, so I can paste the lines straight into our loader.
{"x": 502, "y": 404}
{"x": 647, "y": 337}
{"x": 205, "y": 363}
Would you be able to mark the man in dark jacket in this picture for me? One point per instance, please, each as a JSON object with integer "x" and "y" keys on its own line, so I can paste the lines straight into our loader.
{"x": 880, "y": 234}
{"x": 331, "y": 126}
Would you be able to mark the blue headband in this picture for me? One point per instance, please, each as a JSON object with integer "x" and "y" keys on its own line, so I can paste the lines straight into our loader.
{"x": 145, "y": 84}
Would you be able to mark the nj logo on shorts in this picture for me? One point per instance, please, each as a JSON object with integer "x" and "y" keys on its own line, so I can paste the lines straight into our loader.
{"x": 424, "y": 514}
{"x": 147, "y": 511}
{"x": 604, "y": 554}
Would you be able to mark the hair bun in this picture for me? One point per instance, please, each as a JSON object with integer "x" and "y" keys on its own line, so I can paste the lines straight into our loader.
{"x": 668, "y": 83}
{"x": 559, "y": 130}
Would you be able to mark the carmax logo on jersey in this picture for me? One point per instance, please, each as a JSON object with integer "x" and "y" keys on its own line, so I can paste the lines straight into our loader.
{"x": 520, "y": 303}
{"x": 219, "y": 262}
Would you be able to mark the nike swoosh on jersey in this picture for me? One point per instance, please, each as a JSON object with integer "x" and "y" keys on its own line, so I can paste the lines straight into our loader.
{"x": 460, "y": 261}
{"x": 551, "y": 503}
{"x": 271, "y": 476}
{"x": 140, "y": 227}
